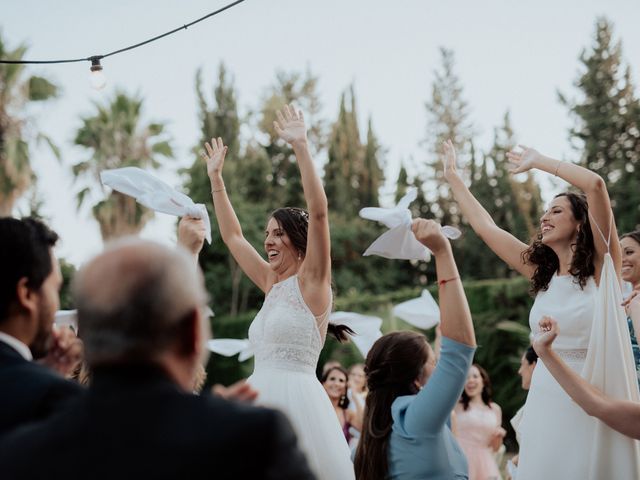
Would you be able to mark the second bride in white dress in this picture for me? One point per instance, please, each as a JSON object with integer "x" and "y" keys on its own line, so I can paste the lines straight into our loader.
{"x": 564, "y": 263}
{"x": 289, "y": 331}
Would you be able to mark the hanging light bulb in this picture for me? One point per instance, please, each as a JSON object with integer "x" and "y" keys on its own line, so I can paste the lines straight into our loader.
{"x": 97, "y": 77}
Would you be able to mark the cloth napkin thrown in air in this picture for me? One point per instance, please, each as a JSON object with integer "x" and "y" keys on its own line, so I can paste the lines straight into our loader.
{"x": 399, "y": 242}
{"x": 155, "y": 194}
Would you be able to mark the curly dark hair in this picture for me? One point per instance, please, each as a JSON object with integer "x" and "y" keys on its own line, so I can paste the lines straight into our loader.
{"x": 546, "y": 260}
{"x": 487, "y": 391}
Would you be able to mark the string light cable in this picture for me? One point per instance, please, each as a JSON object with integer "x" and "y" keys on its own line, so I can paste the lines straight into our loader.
{"x": 96, "y": 67}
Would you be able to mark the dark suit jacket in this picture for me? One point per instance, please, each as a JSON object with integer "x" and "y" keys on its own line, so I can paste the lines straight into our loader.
{"x": 135, "y": 423}
{"x": 29, "y": 391}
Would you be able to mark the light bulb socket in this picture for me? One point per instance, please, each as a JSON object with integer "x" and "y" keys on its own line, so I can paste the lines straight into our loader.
{"x": 95, "y": 64}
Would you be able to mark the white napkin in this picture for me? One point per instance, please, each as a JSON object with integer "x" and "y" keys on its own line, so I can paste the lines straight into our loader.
{"x": 400, "y": 242}
{"x": 422, "y": 312}
{"x": 367, "y": 328}
{"x": 67, "y": 318}
{"x": 155, "y": 194}
{"x": 229, "y": 347}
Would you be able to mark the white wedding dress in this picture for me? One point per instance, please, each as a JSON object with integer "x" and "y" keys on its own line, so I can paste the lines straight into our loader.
{"x": 559, "y": 440}
{"x": 286, "y": 339}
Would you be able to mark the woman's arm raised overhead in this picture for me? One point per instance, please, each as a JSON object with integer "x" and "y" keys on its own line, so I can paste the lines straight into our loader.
{"x": 253, "y": 265}
{"x": 503, "y": 244}
{"x": 594, "y": 188}
{"x": 315, "y": 270}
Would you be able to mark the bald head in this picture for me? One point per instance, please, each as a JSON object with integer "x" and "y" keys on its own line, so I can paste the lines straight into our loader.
{"x": 133, "y": 300}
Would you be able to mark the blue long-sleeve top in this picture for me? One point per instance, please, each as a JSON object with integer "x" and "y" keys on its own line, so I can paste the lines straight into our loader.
{"x": 421, "y": 445}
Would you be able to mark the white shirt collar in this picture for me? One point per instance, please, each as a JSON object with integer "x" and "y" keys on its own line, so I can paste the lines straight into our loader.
{"x": 17, "y": 345}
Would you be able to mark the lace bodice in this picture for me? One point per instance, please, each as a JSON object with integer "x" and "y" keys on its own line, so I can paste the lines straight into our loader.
{"x": 285, "y": 333}
{"x": 573, "y": 309}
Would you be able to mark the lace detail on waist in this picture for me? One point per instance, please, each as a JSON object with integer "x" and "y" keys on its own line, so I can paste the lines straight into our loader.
{"x": 290, "y": 357}
{"x": 572, "y": 355}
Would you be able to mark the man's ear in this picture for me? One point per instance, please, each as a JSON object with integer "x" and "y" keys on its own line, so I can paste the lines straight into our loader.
{"x": 189, "y": 334}
{"x": 25, "y": 297}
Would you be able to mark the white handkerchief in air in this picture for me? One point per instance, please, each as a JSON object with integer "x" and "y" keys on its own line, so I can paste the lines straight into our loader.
{"x": 155, "y": 194}
{"x": 367, "y": 328}
{"x": 400, "y": 242}
{"x": 228, "y": 347}
{"x": 422, "y": 312}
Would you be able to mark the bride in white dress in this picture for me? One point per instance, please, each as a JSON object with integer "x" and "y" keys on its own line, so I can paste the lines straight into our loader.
{"x": 289, "y": 331}
{"x": 564, "y": 263}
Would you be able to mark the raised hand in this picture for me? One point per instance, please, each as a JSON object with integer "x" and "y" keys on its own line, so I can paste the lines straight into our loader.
{"x": 191, "y": 234}
{"x": 548, "y": 333}
{"x": 522, "y": 161}
{"x": 449, "y": 160}
{"x": 65, "y": 351}
{"x": 290, "y": 125}
{"x": 214, "y": 156}
{"x": 430, "y": 235}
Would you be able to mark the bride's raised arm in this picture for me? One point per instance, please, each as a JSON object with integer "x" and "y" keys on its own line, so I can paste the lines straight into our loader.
{"x": 594, "y": 188}
{"x": 503, "y": 244}
{"x": 315, "y": 270}
{"x": 252, "y": 264}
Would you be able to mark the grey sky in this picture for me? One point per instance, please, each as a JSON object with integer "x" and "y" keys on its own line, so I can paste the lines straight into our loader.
{"x": 509, "y": 55}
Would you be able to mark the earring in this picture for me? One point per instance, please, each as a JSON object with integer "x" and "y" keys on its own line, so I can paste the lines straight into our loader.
{"x": 299, "y": 256}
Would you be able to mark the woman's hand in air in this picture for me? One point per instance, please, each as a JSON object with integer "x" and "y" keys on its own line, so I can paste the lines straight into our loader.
{"x": 522, "y": 160}
{"x": 214, "y": 156}
{"x": 290, "y": 125}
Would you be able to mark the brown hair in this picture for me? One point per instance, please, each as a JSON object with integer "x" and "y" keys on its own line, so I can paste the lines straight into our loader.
{"x": 546, "y": 260}
{"x": 393, "y": 364}
{"x": 344, "y": 400}
{"x": 295, "y": 222}
{"x": 635, "y": 235}
{"x": 486, "y": 389}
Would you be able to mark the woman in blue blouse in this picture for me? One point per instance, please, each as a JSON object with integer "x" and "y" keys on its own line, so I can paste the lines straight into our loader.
{"x": 406, "y": 430}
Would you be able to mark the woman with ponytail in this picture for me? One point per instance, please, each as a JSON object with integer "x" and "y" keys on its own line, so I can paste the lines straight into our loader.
{"x": 406, "y": 430}
{"x": 289, "y": 331}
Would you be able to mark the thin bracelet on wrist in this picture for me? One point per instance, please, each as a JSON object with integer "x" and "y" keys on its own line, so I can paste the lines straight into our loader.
{"x": 442, "y": 282}
{"x": 557, "y": 167}
{"x": 218, "y": 190}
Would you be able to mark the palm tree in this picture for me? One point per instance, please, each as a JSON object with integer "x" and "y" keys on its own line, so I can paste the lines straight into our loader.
{"x": 117, "y": 138}
{"x": 17, "y": 90}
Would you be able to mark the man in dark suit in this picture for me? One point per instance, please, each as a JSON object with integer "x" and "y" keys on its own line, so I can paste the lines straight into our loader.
{"x": 29, "y": 283}
{"x": 140, "y": 314}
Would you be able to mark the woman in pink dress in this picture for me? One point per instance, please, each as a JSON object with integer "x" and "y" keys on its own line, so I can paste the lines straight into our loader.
{"x": 478, "y": 422}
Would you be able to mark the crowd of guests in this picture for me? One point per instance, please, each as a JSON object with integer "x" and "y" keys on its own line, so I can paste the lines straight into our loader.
{"x": 120, "y": 399}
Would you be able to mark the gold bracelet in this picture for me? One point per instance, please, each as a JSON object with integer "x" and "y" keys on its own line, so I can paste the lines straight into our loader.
{"x": 219, "y": 190}
{"x": 557, "y": 167}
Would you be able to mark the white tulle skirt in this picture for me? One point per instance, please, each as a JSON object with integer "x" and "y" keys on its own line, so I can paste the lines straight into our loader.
{"x": 303, "y": 399}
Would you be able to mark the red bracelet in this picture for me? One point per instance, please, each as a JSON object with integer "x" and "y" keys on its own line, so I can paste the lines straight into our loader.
{"x": 442, "y": 282}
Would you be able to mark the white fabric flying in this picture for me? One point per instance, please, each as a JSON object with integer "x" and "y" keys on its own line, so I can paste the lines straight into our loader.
{"x": 366, "y": 328}
{"x": 422, "y": 312}
{"x": 155, "y": 194}
{"x": 228, "y": 347}
{"x": 400, "y": 242}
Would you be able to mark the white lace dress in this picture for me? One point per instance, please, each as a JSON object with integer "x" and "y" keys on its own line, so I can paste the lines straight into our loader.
{"x": 287, "y": 341}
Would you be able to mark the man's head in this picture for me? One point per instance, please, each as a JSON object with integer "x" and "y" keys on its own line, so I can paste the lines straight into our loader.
{"x": 141, "y": 302}
{"x": 30, "y": 281}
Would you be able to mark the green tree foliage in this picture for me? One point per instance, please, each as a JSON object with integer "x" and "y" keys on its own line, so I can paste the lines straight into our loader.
{"x": 353, "y": 173}
{"x": 117, "y": 137}
{"x": 245, "y": 172}
{"x": 607, "y": 123}
{"x": 17, "y": 91}
{"x": 447, "y": 118}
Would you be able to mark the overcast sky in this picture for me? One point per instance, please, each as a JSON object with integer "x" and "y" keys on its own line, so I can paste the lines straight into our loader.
{"x": 511, "y": 55}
